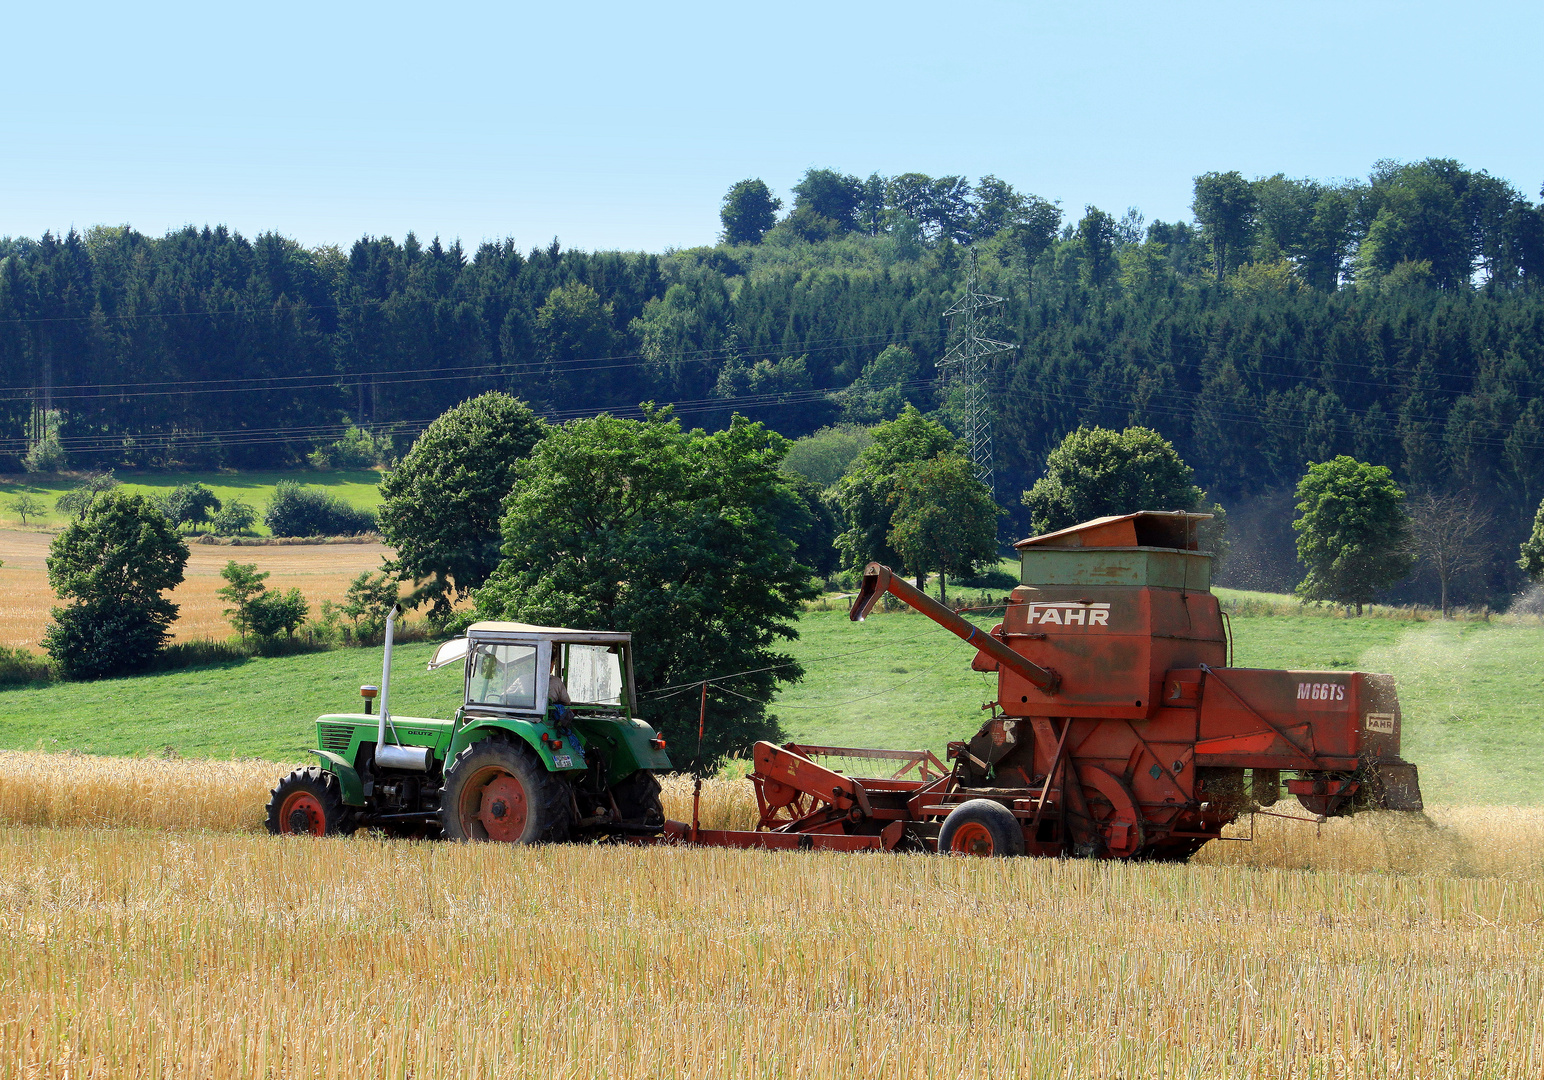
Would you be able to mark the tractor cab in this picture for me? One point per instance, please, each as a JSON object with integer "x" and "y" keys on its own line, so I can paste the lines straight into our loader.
{"x": 542, "y": 672}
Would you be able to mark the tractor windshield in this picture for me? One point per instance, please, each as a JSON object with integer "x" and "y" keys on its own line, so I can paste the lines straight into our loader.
{"x": 503, "y": 675}
{"x": 594, "y": 674}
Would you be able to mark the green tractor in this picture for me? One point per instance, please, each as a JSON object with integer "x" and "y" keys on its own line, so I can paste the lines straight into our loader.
{"x": 545, "y": 747}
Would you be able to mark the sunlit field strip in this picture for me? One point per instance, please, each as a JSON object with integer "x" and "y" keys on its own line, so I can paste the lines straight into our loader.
{"x": 143, "y": 953}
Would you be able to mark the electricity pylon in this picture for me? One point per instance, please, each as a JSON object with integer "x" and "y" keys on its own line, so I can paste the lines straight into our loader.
{"x": 969, "y": 353}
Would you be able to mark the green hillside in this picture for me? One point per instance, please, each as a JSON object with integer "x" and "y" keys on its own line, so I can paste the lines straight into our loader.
{"x": 357, "y": 487}
{"x": 1471, "y": 693}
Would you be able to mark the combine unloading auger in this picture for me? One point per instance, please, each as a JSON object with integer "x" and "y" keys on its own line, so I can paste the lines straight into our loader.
{"x": 1119, "y": 729}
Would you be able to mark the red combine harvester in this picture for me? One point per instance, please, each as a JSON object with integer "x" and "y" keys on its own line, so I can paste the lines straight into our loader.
{"x": 1119, "y": 730}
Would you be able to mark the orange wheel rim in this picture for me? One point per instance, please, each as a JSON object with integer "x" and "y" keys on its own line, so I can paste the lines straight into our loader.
{"x": 496, "y": 800}
{"x": 972, "y": 838}
{"x": 301, "y": 814}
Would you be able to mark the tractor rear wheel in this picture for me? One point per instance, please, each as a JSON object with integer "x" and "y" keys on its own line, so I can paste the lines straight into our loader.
{"x": 309, "y": 802}
{"x": 981, "y": 827}
{"x": 639, "y": 799}
{"x": 496, "y": 790}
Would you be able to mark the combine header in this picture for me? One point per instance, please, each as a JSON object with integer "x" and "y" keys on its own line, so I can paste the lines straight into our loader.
{"x": 1119, "y": 729}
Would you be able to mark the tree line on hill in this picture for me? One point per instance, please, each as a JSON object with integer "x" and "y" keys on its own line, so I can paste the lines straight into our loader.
{"x": 1395, "y": 319}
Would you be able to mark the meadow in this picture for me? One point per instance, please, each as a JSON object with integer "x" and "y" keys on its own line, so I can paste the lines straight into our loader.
{"x": 224, "y": 954}
{"x": 357, "y": 487}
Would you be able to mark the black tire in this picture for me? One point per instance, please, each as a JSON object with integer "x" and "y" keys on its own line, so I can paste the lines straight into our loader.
{"x": 309, "y": 802}
{"x": 981, "y": 827}
{"x": 526, "y": 803}
{"x": 639, "y": 798}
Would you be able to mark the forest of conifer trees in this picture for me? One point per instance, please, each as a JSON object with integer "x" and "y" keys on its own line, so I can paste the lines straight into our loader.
{"x": 1398, "y": 319}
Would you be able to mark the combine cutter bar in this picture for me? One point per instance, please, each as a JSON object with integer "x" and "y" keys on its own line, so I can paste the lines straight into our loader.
{"x": 681, "y": 833}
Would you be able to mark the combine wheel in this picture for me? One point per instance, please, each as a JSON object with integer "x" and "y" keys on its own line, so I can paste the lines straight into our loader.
{"x": 1115, "y": 812}
{"x": 309, "y": 802}
{"x": 639, "y": 799}
{"x": 495, "y": 790}
{"x": 981, "y": 827}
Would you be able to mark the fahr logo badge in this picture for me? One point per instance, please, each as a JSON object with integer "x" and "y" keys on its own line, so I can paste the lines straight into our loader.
{"x": 1069, "y": 613}
{"x": 1382, "y": 722}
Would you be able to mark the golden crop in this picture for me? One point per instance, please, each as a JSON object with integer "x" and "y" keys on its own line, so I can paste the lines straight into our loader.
{"x": 320, "y": 571}
{"x": 155, "y": 953}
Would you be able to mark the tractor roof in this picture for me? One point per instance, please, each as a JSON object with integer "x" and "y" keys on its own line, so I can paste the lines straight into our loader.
{"x": 1146, "y": 528}
{"x": 555, "y": 633}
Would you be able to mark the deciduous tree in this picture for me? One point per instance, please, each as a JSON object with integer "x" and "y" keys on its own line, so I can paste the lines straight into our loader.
{"x": 1097, "y": 472}
{"x": 673, "y": 535}
{"x": 944, "y": 519}
{"x": 1353, "y": 533}
{"x": 749, "y": 210}
{"x": 114, "y": 562}
{"x": 865, "y": 493}
{"x": 1225, "y": 205}
{"x": 441, "y": 505}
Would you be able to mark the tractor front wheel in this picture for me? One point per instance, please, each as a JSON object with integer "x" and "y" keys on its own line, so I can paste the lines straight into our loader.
{"x": 495, "y": 790}
{"x": 309, "y": 802}
{"x": 981, "y": 827}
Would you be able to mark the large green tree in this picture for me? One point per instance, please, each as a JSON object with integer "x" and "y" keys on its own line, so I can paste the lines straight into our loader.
{"x": 1225, "y": 204}
{"x": 748, "y": 211}
{"x": 113, "y": 562}
{"x": 1353, "y": 533}
{"x": 944, "y": 520}
{"x": 1097, "y": 472}
{"x": 441, "y": 505}
{"x": 675, "y": 536}
{"x": 866, "y": 493}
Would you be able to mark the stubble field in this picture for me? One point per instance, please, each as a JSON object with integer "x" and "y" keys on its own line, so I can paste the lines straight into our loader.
{"x": 162, "y": 936}
{"x": 320, "y": 571}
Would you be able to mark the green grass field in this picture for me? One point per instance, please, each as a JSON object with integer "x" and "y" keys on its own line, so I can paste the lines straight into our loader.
{"x": 357, "y": 487}
{"x": 1472, "y": 693}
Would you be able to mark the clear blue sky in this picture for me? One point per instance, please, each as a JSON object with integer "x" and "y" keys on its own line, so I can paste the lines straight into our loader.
{"x": 621, "y": 125}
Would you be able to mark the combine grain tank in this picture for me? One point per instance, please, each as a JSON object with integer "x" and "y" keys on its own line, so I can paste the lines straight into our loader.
{"x": 1119, "y": 729}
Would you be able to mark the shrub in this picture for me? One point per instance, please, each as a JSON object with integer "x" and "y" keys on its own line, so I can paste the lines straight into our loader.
{"x": 357, "y": 449}
{"x": 244, "y": 586}
{"x": 298, "y": 510}
{"x": 369, "y": 600}
{"x": 20, "y": 666}
{"x": 88, "y": 641}
{"x": 271, "y": 612}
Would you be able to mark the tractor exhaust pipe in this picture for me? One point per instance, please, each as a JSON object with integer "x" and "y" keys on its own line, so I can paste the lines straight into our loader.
{"x": 415, "y": 758}
{"x": 878, "y": 580}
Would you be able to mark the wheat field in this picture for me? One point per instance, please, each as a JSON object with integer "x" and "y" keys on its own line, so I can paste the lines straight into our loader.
{"x": 164, "y": 937}
{"x": 320, "y": 571}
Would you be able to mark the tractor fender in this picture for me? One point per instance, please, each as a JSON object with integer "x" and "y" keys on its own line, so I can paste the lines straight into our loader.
{"x": 629, "y": 744}
{"x": 348, "y": 778}
{"x": 559, "y": 752}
